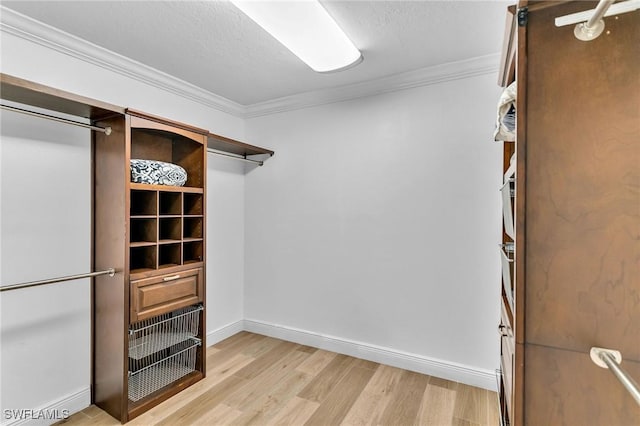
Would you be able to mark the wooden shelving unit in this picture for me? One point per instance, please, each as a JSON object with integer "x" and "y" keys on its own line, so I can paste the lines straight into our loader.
{"x": 154, "y": 236}
{"x": 575, "y": 140}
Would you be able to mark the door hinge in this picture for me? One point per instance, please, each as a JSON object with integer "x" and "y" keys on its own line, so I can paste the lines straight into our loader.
{"x": 523, "y": 16}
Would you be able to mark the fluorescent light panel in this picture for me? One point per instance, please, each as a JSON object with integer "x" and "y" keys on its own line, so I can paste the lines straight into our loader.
{"x": 306, "y": 29}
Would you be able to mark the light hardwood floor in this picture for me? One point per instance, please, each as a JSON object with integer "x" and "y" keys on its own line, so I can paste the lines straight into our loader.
{"x": 257, "y": 380}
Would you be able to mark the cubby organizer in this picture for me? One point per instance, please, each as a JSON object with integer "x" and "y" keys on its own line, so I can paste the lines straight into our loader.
{"x": 162, "y": 350}
{"x": 167, "y": 228}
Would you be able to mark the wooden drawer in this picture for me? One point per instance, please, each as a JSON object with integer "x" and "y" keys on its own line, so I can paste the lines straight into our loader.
{"x": 165, "y": 293}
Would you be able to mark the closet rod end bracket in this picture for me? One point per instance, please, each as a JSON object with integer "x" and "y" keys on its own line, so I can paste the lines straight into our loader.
{"x": 585, "y": 32}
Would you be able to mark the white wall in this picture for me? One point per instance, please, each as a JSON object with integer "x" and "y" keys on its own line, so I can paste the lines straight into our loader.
{"x": 377, "y": 224}
{"x": 45, "y": 226}
{"x": 225, "y": 247}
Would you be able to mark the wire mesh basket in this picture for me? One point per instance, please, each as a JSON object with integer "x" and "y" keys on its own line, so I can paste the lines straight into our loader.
{"x": 159, "y": 374}
{"x": 150, "y": 336}
{"x": 162, "y": 350}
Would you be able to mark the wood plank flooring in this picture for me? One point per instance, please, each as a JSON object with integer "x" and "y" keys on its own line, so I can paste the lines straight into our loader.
{"x": 258, "y": 380}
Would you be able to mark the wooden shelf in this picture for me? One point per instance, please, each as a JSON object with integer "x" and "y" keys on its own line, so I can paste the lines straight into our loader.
{"x": 168, "y": 241}
{"x": 148, "y": 187}
{"x": 142, "y": 244}
{"x": 220, "y": 143}
{"x": 38, "y": 95}
{"x": 166, "y": 122}
{"x": 167, "y": 265}
{"x": 140, "y": 271}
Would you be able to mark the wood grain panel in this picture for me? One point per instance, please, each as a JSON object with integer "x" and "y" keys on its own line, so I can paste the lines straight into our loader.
{"x": 259, "y": 410}
{"x": 296, "y": 412}
{"x": 143, "y": 119}
{"x": 221, "y": 414}
{"x": 201, "y": 405}
{"x": 266, "y": 360}
{"x": 154, "y": 296}
{"x": 261, "y": 347}
{"x": 111, "y": 295}
{"x": 151, "y": 146}
{"x": 470, "y": 404}
{"x": 264, "y": 382}
{"x": 437, "y": 407}
{"x": 316, "y": 362}
{"x": 370, "y": 405}
{"x": 336, "y": 406}
{"x": 583, "y": 184}
{"x": 566, "y": 388}
{"x": 403, "y": 408}
{"x": 324, "y": 382}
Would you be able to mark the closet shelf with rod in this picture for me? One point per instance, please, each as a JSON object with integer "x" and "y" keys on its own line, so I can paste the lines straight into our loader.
{"x": 105, "y": 130}
{"x": 111, "y": 272}
{"x": 27, "y": 92}
{"x": 220, "y": 145}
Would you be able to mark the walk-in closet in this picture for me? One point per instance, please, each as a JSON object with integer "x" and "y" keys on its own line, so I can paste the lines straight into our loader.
{"x": 320, "y": 212}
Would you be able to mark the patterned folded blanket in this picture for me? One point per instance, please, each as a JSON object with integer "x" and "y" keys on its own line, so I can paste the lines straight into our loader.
{"x": 157, "y": 173}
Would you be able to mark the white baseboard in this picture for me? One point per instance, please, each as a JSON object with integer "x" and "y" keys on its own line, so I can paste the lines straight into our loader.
{"x": 49, "y": 414}
{"x": 468, "y": 375}
{"x": 222, "y": 333}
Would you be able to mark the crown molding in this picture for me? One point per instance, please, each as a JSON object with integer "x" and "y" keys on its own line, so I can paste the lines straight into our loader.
{"x": 45, "y": 35}
{"x": 450, "y": 71}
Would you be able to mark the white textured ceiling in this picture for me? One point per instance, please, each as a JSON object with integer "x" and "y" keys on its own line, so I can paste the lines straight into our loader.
{"x": 212, "y": 45}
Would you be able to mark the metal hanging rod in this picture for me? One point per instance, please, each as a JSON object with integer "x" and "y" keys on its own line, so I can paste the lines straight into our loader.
{"x": 611, "y": 359}
{"x": 111, "y": 272}
{"x": 105, "y": 130}
{"x": 237, "y": 157}
{"x": 590, "y": 23}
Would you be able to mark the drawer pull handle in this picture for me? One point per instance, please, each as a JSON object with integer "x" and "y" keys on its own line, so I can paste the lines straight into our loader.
{"x": 171, "y": 278}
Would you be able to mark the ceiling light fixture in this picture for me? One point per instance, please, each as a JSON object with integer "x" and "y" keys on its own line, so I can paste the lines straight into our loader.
{"x": 306, "y": 29}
